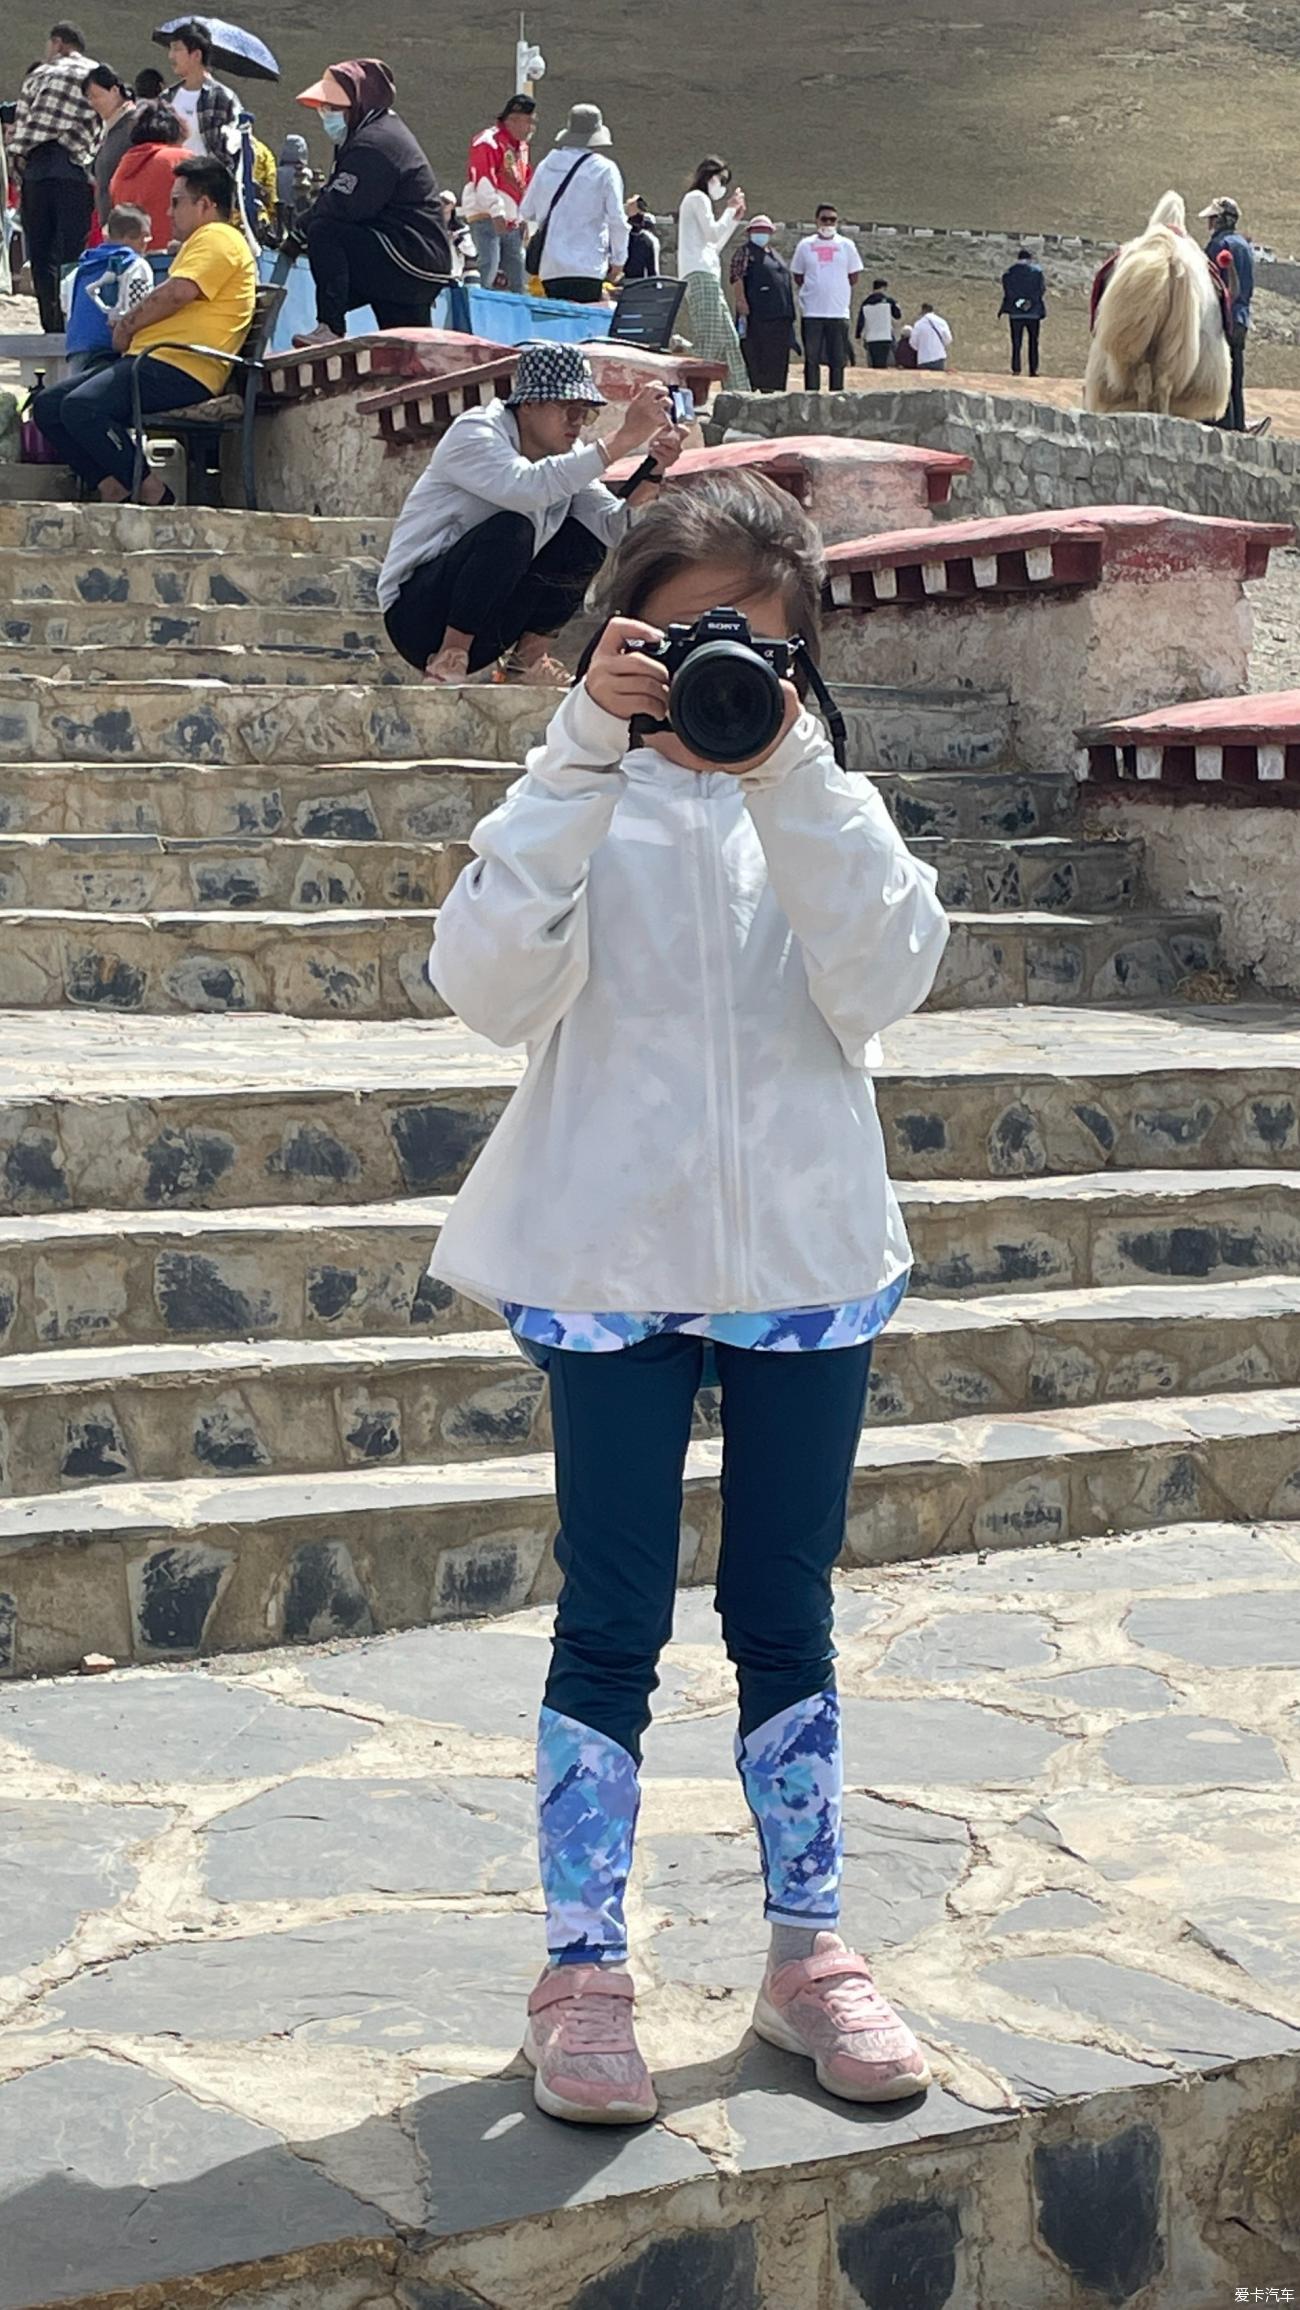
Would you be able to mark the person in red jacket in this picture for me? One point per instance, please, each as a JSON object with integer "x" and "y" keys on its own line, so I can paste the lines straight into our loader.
{"x": 143, "y": 176}
{"x": 497, "y": 178}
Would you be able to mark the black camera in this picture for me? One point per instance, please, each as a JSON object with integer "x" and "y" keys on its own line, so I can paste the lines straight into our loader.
{"x": 724, "y": 699}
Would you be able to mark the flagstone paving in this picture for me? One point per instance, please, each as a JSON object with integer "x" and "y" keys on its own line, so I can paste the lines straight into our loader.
{"x": 267, "y": 1925}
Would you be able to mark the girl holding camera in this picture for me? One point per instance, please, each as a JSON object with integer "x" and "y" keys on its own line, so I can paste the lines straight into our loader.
{"x": 691, "y": 1181}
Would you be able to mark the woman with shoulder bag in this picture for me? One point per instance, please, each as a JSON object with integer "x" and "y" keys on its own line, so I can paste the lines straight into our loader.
{"x": 576, "y": 202}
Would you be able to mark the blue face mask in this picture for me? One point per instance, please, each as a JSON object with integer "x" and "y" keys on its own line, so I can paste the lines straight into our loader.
{"x": 760, "y": 240}
{"x": 335, "y": 125}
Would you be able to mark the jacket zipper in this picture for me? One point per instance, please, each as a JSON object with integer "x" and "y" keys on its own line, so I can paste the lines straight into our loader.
{"x": 733, "y": 1199}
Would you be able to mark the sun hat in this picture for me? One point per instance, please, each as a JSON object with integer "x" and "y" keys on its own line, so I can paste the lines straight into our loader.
{"x": 554, "y": 373}
{"x": 327, "y": 92}
{"x": 760, "y": 225}
{"x": 1223, "y": 207}
{"x": 586, "y": 131}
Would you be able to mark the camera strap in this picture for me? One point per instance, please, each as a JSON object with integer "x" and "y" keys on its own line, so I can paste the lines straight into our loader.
{"x": 825, "y": 697}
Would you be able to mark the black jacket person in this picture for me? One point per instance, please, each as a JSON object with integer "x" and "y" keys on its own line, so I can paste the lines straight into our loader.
{"x": 375, "y": 234}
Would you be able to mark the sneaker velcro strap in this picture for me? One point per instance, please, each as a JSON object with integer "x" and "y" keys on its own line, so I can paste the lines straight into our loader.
{"x": 580, "y": 1981}
{"x": 831, "y": 1965}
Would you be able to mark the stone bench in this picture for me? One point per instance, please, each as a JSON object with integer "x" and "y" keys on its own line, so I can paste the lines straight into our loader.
{"x": 1242, "y": 756}
{"x": 851, "y": 489}
{"x": 1078, "y": 615}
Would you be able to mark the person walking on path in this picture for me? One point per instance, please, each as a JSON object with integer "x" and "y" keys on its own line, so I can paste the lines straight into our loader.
{"x": 206, "y": 108}
{"x": 1223, "y": 217}
{"x": 765, "y": 308}
{"x": 576, "y": 198}
{"x": 108, "y": 97}
{"x": 931, "y": 338}
{"x": 205, "y": 302}
{"x": 375, "y": 233}
{"x": 144, "y": 175}
{"x": 703, "y": 231}
{"x": 500, "y": 537}
{"x": 52, "y": 148}
{"x": 497, "y": 178}
{"x": 826, "y": 270}
{"x": 1024, "y": 306}
{"x": 670, "y": 1139}
{"x": 877, "y": 317}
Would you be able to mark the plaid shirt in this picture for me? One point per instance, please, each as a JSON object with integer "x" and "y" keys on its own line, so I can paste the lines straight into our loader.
{"x": 218, "y": 109}
{"x": 53, "y": 110}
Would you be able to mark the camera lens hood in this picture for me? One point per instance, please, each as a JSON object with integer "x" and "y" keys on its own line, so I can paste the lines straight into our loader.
{"x": 725, "y": 703}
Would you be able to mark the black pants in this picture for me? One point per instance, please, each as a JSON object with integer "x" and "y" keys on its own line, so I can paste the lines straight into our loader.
{"x": 826, "y": 341}
{"x": 87, "y": 418}
{"x": 351, "y": 267}
{"x": 1020, "y": 330}
{"x": 879, "y": 356}
{"x": 1233, "y": 419}
{"x": 766, "y": 347}
{"x": 495, "y": 585}
{"x": 576, "y": 288}
{"x": 56, "y": 214}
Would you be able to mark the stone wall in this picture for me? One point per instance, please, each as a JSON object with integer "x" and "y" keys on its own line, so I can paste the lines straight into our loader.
{"x": 1026, "y": 455}
{"x": 1245, "y": 863}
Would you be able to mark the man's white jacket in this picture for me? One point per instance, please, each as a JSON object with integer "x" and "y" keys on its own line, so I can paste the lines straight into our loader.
{"x": 699, "y": 966}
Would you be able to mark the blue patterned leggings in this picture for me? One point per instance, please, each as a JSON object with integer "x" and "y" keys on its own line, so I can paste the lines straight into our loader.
{"x": 622, "y": 1423}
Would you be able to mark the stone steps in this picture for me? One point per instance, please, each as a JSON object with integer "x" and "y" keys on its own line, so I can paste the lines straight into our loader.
{"x": 440, "y": 798}
{"x": 197, "y": 578}
{"x": 366, "y": 963}
{"x": 138, "y": 1570}
{"x": 146, "y": 873}
{"x": 117, "y": 530}
{"x": 120, "y": 1112}
{"x": 152, "y": 1413}
{"x": 341, "y": 1271}
{"x": 294, "y": 665}
{"x": 113, "y": 631}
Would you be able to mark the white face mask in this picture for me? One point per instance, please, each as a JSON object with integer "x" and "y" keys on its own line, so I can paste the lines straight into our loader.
{"x": 827, "y": 232}
{"x": 335, "y": 125}
{"x": 717, "y": 187}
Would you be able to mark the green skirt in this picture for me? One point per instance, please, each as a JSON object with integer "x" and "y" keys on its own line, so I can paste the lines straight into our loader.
{"x": 711, "y": 330}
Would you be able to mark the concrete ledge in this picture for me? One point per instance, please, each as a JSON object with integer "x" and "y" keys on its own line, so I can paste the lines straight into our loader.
{"x": 1238, "y": 751}
{"x": 849, "y": 488}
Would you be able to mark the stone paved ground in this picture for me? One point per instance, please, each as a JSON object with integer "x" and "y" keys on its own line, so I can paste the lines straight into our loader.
{"x": 266, "y": 1926}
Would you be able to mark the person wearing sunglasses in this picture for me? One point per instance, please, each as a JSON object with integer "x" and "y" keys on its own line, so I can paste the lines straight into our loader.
{"x": 826, "y": 269}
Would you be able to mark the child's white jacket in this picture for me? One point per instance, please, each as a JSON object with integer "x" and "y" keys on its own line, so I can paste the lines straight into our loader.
{"x": 699, "y": 966}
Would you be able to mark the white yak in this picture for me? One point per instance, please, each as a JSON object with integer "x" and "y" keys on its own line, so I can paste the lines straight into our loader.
{"x": 1158, "y": 339}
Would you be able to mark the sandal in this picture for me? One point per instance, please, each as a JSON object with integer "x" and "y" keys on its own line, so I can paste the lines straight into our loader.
{"x": 449, "y": 669}
{"x": 544, "y": 673}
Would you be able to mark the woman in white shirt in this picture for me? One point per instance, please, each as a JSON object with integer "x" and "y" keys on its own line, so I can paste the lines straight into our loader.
{"x": 702, "y": 234}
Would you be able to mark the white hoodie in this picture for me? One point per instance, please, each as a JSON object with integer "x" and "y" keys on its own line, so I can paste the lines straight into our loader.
{"x": 700, "y": 966}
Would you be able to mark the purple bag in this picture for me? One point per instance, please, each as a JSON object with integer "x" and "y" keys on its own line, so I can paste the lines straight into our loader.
{"x": 36, "y": 450}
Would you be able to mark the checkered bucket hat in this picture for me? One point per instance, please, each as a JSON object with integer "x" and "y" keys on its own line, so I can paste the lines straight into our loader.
{"x": 554, "y": 373}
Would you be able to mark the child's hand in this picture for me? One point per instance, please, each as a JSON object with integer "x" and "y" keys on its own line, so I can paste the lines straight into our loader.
{"x": 626, "y": 685}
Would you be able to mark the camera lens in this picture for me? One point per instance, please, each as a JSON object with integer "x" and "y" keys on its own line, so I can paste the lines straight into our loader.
{"x": 726, "y": 703}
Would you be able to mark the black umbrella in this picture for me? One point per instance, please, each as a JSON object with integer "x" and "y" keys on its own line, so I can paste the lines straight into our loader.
{"x": 233, "y": 49}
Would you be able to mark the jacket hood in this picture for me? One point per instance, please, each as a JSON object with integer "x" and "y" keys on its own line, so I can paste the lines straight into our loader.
{"x": 294, "y": 148}
{"x": 371, "y": 89}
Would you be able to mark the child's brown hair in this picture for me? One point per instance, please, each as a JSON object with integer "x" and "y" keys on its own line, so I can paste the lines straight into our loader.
{"x": 736, "y": 519}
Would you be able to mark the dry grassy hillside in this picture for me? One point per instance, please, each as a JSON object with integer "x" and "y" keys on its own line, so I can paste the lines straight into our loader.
{"x": 1069, "y": 114}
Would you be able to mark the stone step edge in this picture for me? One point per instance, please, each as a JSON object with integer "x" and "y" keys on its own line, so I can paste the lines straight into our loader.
{"x": 1009, "y": 1449}
{"x": 109, "y": 1225}
{"x": 1254, "y": 1299}
{"x": 324, "y": 921}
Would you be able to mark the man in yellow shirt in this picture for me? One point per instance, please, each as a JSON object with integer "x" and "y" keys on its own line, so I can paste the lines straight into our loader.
{"x": 206, "y": 300}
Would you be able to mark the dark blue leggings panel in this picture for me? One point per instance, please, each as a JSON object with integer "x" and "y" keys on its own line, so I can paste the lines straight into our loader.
{"x": 622, "y": 1424}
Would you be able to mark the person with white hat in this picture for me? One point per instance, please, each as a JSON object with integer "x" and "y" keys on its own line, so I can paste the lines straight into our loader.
{"x": 501, "y": 536}
{"x": 1229, "y": 250}
{"x": 576, "y": 200}
{"x": 764, "y": 290}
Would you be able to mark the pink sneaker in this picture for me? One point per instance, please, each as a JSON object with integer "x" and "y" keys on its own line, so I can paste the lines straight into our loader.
{"x": 582, "y": 2045}
{"x": 828, "y": 2007}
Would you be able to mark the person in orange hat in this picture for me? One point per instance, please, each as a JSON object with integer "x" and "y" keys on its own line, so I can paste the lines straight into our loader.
{"x": 375, "y": 233}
